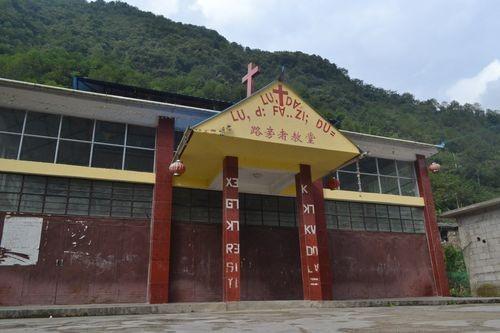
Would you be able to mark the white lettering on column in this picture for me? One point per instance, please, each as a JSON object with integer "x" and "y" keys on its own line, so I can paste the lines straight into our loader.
{"x": 233, "y": 225}
{"x": 310, "y": 229}
{"x": 231, "y": 182}
{"x": 308, "y": 209}
{"x": 311, "y": 250}
{"x": 233, "y": 248}
{"x": 231, "y": 267}
{"x": 232, "y": 203}
{"x": 303, "y": 189}
{"x": 231, "y": 284}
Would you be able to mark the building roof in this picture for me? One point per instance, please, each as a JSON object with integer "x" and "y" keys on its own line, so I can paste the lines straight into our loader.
{"x": 44, "y": 98}
{"x": 475, "y": 208}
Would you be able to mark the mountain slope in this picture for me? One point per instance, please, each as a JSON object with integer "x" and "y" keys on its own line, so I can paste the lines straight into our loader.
{"x": 49, "y": 41}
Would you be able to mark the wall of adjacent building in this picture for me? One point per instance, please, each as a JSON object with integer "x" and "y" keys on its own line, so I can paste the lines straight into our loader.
{"x": 480, "y": 242}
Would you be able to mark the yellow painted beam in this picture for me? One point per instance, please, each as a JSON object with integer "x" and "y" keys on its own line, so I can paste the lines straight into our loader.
{"x": 74, "y": 171}
{"x": 389, "y": 199}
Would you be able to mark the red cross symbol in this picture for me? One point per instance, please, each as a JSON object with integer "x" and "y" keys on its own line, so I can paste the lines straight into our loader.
{"x": 248, "y": 78}
{"x": 280, "y": 93}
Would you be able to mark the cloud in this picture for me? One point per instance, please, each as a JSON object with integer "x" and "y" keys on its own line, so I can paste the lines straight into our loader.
{"x": 166, "y": 8}
{"x": 476, "y": 89}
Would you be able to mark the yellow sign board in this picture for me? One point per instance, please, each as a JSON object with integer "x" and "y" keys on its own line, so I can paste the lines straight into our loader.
{"x": 276, "y": 114}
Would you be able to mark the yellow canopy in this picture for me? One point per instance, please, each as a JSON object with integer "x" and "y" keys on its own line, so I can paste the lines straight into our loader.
{"x": 271, "y": 132}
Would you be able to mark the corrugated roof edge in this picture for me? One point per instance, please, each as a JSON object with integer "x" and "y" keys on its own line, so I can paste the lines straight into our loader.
{"x": 472, "y": 208}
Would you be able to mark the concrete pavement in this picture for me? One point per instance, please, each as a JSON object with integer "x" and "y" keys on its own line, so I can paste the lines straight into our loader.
{"x": 444, "y": 318}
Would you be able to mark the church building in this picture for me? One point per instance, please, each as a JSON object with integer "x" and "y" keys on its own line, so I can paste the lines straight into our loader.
{"x": 111, "y": 193}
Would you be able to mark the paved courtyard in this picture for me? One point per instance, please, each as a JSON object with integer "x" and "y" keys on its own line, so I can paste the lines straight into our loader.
{"x": 450, "y": 318}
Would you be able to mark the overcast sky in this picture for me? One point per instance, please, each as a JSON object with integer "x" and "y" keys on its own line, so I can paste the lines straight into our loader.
{"x": 443, "y": 49}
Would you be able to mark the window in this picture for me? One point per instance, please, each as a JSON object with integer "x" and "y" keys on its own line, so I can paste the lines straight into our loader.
{"x": 373, "y": 217}
{"x": 202, "y": 206}
{"x": 50, "y": 138}
{"x": 71, "y": 196}
{"x": 378, "y": 175}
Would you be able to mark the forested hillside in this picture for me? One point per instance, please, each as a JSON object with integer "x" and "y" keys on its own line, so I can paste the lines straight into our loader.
{"x": 49, "y": 41}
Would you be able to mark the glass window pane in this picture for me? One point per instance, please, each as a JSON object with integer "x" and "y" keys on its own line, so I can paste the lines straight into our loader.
{"x": 42, "y": 124}
{"x": 75, "y": 153}
{"x": 215, "y": 215}
{"x": 286, "y": 204}
{"x": 109, "y": 132}
{"x": 200, "y": 214}
{"x": 34, "y": 184}
{"x": 393, "y": 212}
{"x": 371, "y": 223}
{"x": 269, "y": 203}
{"x": 31, "y": 203}
{"x": 102, "y": 190}
{"x": 253, "y": 201}
{"x": 417, "y": 213}
{"x": 387, "y": 167}
{"x": 140, "y": 136}
{"x": 270, "y": 218}
{"x": 368, "y": 165}
{"x": 419, "y": 226}
{"x": 181, "y": 196}
{"x": 55, "y": 205}
{"x": 139, "y": 159}
{"x": 199, "y": 198}
{"x": 287, "y": 219}
{"x": 123, "y": 191}
{"x": 369, "y": 210}
{"x": 330, "y": 207}
{"x": 383, "y": 224}
{"x": 351, "y": 167}
{"x": 78, "y": 206}
{"x": 405, "y": 212}
{"x": 107, "y": 157}
{"x": 57, "y": 186}
{"x": 343, "y": 208}
{"x": 389, "y": 185}
{"x": 396, "y": 225}
{"x": 100, "y": 207}
{"x": 10, "y": 182}
{"x": 331, "y": 222}
{"x": 77, "y": 128}
{"x": 356, "y": 209}
{"x": 38, "y": 149}
{"x": 348, "y": 181}
{"x": 405, "y": 169}
{"x": 369, "y": 183}
{"x": 11, "y": 120}
{"x": 180, "y": 213}
{"x": 344, "y": 222}
{"x": 407, "y": 226}
{"x": 253, "y": 217}
{"x": 9, "y": 202}
{"x": 357, "y": 223}
{"x": 141, "y": 209}
{"x": 143, "y": 192}
{"x": 121, "y": 208}
{"x": 382, "y": 211}
{"x": 79, "y": 188}
{"x": 215, "y": 199}
{"x": 408, "y": 187}
{"x": 9, "y": 145}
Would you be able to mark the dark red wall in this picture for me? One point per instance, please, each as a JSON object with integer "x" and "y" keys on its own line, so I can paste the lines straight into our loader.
{"x": 379, "y": 264}
{"x": 270, "y": 263}
{"x": 108, "y": 263}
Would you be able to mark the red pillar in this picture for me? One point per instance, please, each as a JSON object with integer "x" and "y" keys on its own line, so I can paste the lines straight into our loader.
{"x": 326, "y": 273}
{"x": 308, "y": 239}
{"x": 230, "y": 231}
{"x": 431, "y": 229}
{"x": 161, "y": 214}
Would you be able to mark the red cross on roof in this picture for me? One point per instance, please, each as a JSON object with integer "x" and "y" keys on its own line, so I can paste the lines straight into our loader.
{"x": 248, "y": 78}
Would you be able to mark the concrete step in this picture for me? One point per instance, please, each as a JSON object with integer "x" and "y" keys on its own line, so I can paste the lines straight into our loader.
{"x": 46, "y": 311}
